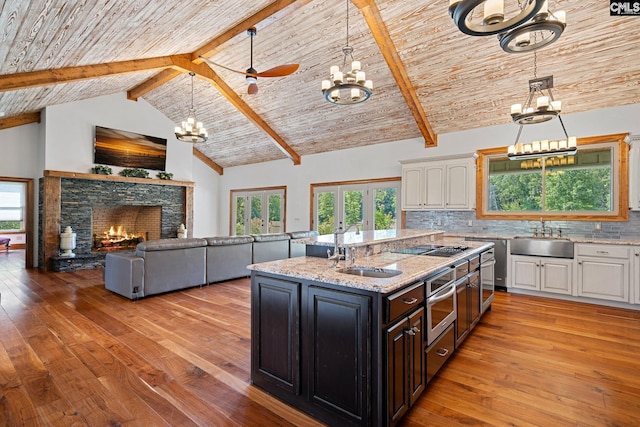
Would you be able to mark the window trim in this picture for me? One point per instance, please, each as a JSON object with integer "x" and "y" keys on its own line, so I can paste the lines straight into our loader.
{"x": 620, "y": 209}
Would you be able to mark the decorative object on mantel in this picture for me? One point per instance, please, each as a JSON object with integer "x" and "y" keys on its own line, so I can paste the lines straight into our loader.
{"x": 134, "y": 173}
{"x": 545, "y": 28}
{"x": 493, "y": 17}
{"x": 191, "y": 130}
{"x": 67, "y": 242}
{"x": 182, "y": 232}
{"x": 546, "y": 108}
{"x": 164, "y": 175}
{"x": 101, "y": 170}
{"x": 347, "y": 87}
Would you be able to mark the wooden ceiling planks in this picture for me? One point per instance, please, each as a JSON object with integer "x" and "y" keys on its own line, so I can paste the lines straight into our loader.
{"x": 595, "y": 65}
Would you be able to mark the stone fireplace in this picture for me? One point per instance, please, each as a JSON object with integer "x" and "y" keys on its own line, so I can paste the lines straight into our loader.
{"x": 123, "y": 227}
{"x": 152, "y": 206}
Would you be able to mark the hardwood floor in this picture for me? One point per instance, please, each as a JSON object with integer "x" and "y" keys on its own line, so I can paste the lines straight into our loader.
{"x": 72, "y": 353}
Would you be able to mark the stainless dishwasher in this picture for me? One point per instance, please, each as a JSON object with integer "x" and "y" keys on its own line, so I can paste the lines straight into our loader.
{"x": 500, "y": 252}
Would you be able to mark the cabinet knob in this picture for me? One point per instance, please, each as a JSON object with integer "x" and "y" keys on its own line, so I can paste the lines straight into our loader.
{"x": 410, "y": 332}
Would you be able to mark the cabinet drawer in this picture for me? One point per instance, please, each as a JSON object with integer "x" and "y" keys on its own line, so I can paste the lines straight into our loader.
{"x": 404, "y": 301}
{"x": 474, "y": 263}
{"x": 604, "y": 251}
{"x": 439, "y": 352}
{"x": 462, "y": 269}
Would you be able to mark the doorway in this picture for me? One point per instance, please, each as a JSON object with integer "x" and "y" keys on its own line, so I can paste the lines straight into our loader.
{"x": 16, "y": 221}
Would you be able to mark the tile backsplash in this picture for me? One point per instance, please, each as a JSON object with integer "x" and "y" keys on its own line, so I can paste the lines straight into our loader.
{"x": 466, "y": 222}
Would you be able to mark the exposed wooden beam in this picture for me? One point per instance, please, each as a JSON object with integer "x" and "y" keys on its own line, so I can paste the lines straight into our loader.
{"x": 22, "y": 119}
{"x": 148, "y": 85}
{"x": 83, "y": 72}
{"x": 207, "y": 161}
{"x": 260, "y": 19}
{"x": 391, "y": 56}
{"x": 204, "y": 71}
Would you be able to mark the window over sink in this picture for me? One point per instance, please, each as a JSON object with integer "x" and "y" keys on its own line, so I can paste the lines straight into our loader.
{"x": 591, "y": 185}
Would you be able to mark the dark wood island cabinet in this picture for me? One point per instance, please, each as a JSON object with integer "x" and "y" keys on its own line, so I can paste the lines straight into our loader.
{"x": 343, "y": 353}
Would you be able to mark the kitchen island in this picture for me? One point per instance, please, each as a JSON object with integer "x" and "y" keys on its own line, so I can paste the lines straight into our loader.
{"x": 348, "y": 349}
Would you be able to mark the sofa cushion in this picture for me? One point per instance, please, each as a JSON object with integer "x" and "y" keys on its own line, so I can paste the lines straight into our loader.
{"x": 228, "y": 240}
{"x": 167, "y": 244}
{"x": 302, "y": 234}
{"x": 271, "y": 237}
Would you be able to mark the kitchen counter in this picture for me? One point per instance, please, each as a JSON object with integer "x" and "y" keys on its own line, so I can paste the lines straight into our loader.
{"x": 462, "y": 236}
{"x": 413, "y": 267}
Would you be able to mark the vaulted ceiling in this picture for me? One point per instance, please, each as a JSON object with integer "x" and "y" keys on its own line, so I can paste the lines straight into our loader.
{"x": 428, "y": 77}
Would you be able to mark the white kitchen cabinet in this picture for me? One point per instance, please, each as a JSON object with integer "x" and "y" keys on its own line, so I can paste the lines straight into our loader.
{"x": 542, "y": 274}
{"x": 446, "y": 184}
{"x": 635, "y": 277}
{"x": 603, "y": 271}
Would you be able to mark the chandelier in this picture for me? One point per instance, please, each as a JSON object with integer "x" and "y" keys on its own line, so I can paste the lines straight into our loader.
{"x": 349, "y": 85}
{"x": 545, "y": 28}
{"x": 191, "y": 130}
{"x": 539, "y": 107}
{"x": 531, "y": 27}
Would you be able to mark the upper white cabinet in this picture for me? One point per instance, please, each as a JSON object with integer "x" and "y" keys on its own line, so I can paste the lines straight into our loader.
{"x": 444, "y": 184}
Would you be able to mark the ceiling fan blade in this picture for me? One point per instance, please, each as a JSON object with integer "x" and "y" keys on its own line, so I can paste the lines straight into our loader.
{"x": 279, "y": 71}
{"x": 210, "y": 62}
{"x": 253, "y": 89}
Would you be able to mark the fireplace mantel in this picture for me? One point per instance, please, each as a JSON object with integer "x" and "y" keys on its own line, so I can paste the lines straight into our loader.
{"x": 116, "y": 178}
{"x": 56, "y": 207}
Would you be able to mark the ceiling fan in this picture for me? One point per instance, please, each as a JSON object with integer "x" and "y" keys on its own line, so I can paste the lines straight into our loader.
{"x": 251, "y": 74}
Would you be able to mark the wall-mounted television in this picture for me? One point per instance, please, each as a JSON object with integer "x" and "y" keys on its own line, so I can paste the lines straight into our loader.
{"x": 127, "y": 149}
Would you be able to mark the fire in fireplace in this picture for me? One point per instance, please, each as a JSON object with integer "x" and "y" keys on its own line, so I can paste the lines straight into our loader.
{"x": 123, "y": 227}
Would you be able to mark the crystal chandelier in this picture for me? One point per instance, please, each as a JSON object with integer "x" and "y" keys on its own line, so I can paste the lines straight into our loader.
{"x": 543, "y": 109}
{"x": 191, "y": 130}
{"x": 348, "y": 86}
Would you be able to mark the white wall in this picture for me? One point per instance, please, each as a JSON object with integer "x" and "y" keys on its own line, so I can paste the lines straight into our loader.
{"x": 69, "y": 133}
{"x": 382, "y": 160}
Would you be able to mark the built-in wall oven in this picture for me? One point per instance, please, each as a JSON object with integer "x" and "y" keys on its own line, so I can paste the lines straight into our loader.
{"x": 441, "y": 302}
{"x": 487, "y": 277}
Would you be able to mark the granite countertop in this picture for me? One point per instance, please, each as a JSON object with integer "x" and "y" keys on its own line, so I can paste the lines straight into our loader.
{"x": 413, "y": 267}
{"x": 372, "y": 237}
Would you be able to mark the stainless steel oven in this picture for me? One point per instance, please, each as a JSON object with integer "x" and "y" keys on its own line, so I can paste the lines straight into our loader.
{"x": 441, "y": 302}
{"x": 487, "y": 277}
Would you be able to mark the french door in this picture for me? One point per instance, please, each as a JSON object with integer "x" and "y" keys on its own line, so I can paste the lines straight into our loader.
{"x": 372, "y": 206}
{"x": 258, "y": 211}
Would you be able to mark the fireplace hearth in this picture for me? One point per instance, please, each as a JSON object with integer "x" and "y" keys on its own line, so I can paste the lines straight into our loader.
{"x": 123, "y": 227}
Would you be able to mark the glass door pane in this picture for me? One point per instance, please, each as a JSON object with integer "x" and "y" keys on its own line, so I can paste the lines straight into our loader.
{"x": 239, "y": 207}
{"x": 275, "y": 213}
{"x": 353, "y": 208}
{"x": 385, "y": 208}
{"x": 325, "y": 211}
{"x": 255, "y": 208}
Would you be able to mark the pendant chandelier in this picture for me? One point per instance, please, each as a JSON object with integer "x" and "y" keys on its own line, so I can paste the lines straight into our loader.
{"x": 191, "y": 130}
{"x": 540, "y": 106}
{"x": 532, "y": 27}
{"x": 349, "y": 85}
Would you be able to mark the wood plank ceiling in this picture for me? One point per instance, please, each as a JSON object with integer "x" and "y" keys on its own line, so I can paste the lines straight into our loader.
{"x": 428, "y": 77}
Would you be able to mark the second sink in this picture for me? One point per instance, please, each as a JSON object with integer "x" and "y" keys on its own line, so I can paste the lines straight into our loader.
{"x": 375, "y": 272}
{"x": 556, "y": 248}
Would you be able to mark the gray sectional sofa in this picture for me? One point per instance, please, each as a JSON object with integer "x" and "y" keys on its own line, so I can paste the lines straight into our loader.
{"x": 159, "y": 266}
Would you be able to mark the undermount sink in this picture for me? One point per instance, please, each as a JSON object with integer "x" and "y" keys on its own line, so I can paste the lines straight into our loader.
{"x": 379, "y": 273}
{"x": 541, "y": 246}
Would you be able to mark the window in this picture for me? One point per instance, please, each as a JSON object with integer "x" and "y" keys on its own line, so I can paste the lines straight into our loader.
{"x": 257, "y": 211}
{"x": 12, "y": 206}
{"x": 370, "y": 205}
{"x": 590, "y": 185}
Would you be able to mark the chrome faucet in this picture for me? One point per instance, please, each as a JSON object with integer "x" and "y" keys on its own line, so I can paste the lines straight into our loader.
{"x": 543, "y": 230}
{"x": 337, "y": 253}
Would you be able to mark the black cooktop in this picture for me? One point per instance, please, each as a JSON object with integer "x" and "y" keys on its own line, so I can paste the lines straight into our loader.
{"x": 433, "y": 250}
